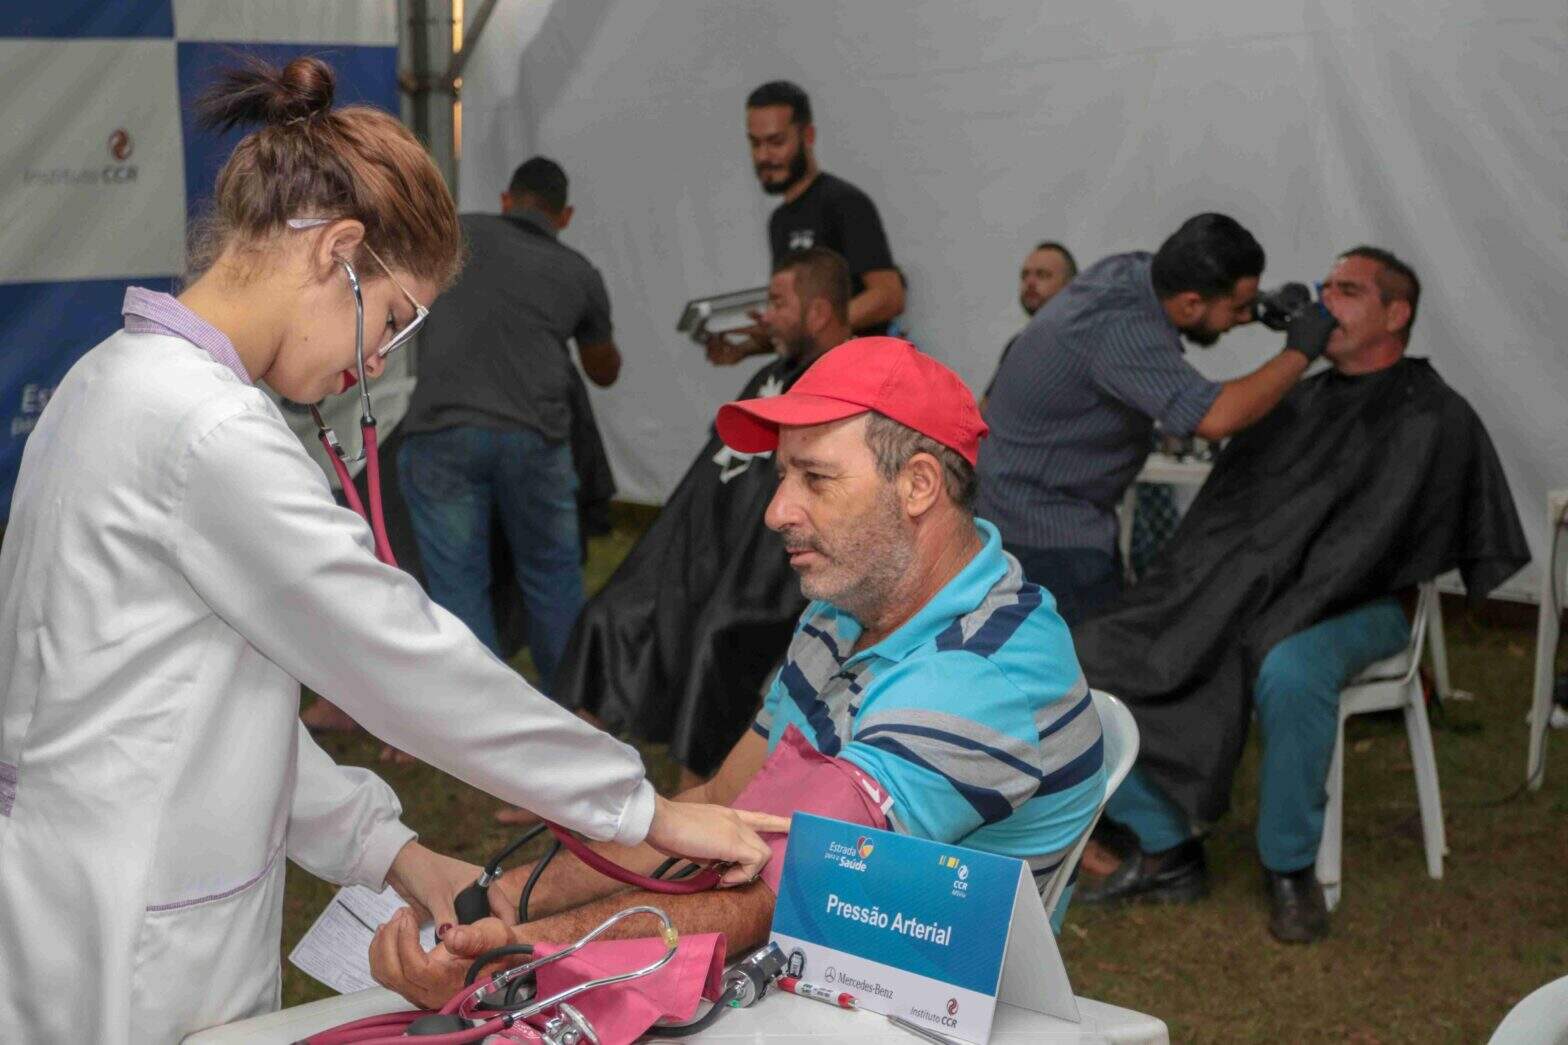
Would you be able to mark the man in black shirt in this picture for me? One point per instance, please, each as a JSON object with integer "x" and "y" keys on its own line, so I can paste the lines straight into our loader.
{"x": 819, "y": 210}
{"x": 489, "y": 426}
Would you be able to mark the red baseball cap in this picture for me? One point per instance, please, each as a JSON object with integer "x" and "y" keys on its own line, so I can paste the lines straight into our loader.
{"x": 885, "y": 374}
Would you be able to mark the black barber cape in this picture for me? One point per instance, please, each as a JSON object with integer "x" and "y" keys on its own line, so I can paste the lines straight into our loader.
{"x": 1351, "y": 489}
{"x": 677, "y": 646}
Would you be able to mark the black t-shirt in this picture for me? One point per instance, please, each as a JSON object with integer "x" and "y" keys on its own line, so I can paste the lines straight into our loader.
{"x": 833, "y": 213}
{"x": 493, "y": 353}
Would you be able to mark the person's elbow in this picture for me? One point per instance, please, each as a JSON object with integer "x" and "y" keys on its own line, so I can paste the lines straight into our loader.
{"x": 880, "y": 302}
{"x": 601, "y": 362}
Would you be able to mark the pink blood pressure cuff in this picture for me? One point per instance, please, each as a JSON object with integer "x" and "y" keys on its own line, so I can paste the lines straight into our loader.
{"x": 799, "y": 778}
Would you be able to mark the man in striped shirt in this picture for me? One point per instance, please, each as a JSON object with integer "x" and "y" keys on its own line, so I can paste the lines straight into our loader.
{"x": 1075, "y": 401}
{"x": 926, "y": 659}
{"x": 926, "y": 663}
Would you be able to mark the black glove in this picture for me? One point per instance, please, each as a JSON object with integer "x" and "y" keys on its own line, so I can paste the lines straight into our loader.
{"x": 1309, "y": 332}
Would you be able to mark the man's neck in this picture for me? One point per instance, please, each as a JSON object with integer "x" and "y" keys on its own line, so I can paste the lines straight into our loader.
{"x": 797, "y": 190}
{"x": 940, "y": 556}
{"x": 819, "y": 346}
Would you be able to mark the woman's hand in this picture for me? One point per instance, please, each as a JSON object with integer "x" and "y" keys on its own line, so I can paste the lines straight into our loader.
{"x": 714, "y": 833}
{"x": 429, "y": 882}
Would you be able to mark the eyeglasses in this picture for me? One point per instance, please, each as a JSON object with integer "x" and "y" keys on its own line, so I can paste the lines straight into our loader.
{"x": 399, "y": 337}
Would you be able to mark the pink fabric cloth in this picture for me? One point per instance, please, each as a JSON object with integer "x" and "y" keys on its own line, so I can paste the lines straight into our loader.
{"x": 799, "y": 778}
{"x": 622, "y": 1012}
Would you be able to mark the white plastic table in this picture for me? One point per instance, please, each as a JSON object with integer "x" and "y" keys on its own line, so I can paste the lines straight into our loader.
{"x": 775, "y": 1020}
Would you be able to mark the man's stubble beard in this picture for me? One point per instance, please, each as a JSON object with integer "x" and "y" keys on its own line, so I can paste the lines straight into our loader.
{"x": 793, "y": 173}
{"x": 879, "y": 543}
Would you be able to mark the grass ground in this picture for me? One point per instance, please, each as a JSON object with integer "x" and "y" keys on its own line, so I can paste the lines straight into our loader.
{"x": 1410, "y": 959}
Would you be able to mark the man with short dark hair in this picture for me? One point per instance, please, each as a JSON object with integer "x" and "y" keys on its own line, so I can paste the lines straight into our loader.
{"x": 487, "y": 430}
{"x": 926, "y": 670}
{"x": 680, "y": 642}
{"x": 818, "y": 210}
{"x": 1076, "y": 400}
{"x": 1283, "y": 583}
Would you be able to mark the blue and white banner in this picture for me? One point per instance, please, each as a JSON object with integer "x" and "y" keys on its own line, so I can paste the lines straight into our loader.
{"x": 101, "y": 165}
{"x": 934, "y": 934}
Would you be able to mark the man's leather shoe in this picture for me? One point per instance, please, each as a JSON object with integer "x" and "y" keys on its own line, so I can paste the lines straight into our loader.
{"x": 1298, "y": 912}
{"x": 1178, "y": 875}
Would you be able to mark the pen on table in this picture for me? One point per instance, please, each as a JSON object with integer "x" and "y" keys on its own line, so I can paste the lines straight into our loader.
{"x": 811, "y": 990}
{"x": 919, "y": 1031}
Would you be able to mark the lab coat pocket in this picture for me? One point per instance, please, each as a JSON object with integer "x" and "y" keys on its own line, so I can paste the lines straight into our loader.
{"x": 211, "y": 960}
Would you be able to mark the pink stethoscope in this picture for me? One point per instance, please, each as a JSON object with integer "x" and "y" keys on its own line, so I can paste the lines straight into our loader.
{"x": 467, "y": 1018}
{"x": 567, "y": 1025}
{"x": 376, "y": 517}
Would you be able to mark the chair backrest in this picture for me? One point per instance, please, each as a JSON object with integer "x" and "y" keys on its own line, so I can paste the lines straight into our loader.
{"x": 1120, "y": 734}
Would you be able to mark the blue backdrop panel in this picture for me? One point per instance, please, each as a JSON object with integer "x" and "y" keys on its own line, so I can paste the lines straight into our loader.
{"x": 365, "y": 75}
{"x": 80, "y": 19}
{"x": 58, "y": 322}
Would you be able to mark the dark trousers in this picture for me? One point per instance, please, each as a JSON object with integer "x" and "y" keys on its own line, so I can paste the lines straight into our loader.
{"x": 1082, "y": 580}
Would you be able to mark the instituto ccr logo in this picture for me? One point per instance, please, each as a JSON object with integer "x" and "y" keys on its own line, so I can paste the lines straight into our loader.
{"x": 952, "y": 1006}
{"x": 120, "y": 145}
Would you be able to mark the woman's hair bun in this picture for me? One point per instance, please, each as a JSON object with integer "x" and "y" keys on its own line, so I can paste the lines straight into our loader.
{"x": 257, "y": 92}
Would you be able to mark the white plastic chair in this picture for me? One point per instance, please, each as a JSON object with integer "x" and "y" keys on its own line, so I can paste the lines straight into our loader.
{"x": 1121, "y": 751}
{"x": 1540, "y": 1019}
{"x": 1390, "y": 684}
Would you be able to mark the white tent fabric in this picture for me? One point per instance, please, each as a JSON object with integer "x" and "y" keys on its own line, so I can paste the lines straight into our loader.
{"x": 1437, "y": 131}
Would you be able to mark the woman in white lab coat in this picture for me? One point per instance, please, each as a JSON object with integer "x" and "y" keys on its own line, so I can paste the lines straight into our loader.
{"x": 175, "y": 567}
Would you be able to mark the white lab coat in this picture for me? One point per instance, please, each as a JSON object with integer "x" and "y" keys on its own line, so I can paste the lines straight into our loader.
{"x": 174, "y": 568}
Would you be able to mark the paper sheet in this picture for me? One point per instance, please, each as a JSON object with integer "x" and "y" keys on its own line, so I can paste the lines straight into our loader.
{"x": 336, "y": 949}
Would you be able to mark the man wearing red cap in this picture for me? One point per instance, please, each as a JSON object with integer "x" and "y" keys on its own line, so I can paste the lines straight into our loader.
{"x": 925, "y": 661}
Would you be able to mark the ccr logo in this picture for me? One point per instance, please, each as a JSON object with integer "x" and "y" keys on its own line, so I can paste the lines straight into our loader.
{"x": 952, "y": 1006}
{"x": 863, "y": 847}
{"x": 120, "y": 145}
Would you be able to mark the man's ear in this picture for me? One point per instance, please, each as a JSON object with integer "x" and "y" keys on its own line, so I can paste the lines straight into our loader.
{"x": 339, "y": 242}
{"x": 1398, "y": 315}
{"x": 1188, "y": 306}
{"x": 920, "y": 484}
{"x": 506, "y": 203}
{"x": 564, "y": 218}
{"x": 818, "y": 314}
{"x": 809, "y": 135}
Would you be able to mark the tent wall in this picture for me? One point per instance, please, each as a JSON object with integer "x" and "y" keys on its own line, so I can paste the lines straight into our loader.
{"x": 1436, "y": 130}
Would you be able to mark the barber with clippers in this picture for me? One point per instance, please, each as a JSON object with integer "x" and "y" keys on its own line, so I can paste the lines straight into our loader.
{"x": 1075, "y": 402}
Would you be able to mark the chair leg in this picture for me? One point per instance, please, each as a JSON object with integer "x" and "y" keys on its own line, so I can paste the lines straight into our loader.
{"x": 1423, "y": 758}
{"x": 1438, "y": 644}
{"x": 1329, "y": 848}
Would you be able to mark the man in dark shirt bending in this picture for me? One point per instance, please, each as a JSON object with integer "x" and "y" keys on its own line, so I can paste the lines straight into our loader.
{"x": 490, "y": 418}
{"x": 819, "y": 210}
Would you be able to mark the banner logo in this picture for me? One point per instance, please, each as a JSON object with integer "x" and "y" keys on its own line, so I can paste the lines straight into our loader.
{"x": 120, "y": 145}
{"x": 863, "y": 847}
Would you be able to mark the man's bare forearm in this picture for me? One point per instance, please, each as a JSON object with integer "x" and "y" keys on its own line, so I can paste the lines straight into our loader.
{"x": 742, "y": 914}
{"x": 568, "y": 882}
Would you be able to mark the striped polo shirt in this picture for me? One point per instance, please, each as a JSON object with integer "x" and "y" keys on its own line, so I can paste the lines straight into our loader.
{"x": 1073, "y": 407}
{"x": 974, "y": 715}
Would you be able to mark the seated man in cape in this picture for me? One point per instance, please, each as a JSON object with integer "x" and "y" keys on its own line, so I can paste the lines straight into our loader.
{"x": 928, "y": 688}
{"x": 1284, "y": 582}
{"x": 678, "y": 645}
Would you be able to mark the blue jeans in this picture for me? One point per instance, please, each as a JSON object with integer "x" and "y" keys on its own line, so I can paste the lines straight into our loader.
{"x": 1297, "y": 701}
{"x": 1081, "y": 580}
{"x": 454, "y": 480}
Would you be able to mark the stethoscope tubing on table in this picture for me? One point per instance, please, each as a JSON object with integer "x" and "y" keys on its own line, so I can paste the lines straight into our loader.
{"x": 387, "y": 1029}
